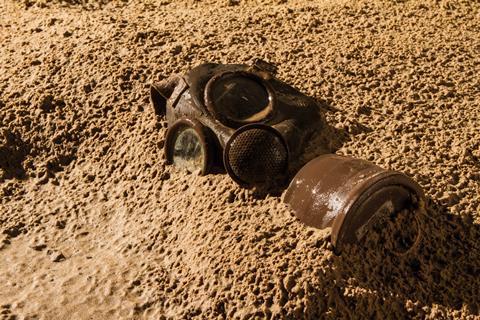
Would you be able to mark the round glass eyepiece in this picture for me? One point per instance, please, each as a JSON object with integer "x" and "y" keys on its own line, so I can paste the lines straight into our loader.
{"x": 239, "y": 98}
{"x": 188, "y": 152}
{"x": 187, "y": 146}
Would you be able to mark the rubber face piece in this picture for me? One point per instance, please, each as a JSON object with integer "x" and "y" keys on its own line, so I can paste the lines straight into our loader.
{"x": 161, "y": 91}
{"x": 256, "y": 155}
{"x": 188, "y": 146}
{"x": 239, "y": 98}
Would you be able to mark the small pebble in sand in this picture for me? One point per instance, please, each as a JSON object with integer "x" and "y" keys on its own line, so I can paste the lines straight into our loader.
{"x": 37, "y": 244}
{"x": 289, "y": 282}
{"x": 56, "y": 256}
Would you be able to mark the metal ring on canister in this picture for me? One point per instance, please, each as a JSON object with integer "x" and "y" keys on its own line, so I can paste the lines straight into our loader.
{"x": 189, "y": 145}
{"x": 256, "y": 154}
{"x": 347, "y": 194}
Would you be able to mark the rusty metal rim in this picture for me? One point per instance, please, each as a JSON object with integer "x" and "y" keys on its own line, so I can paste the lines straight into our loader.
{"x": 226, "y": 160}
{"x": 203, "y": 134}
{"x": 262, "y": 116}
{"x": 386, "y": 178}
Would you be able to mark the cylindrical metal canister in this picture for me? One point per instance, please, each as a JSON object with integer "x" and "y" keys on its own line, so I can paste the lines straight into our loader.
{"x": 347, "y": 194}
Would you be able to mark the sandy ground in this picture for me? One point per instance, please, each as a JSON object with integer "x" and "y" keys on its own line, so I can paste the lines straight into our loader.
{"x": 94, "y": 225}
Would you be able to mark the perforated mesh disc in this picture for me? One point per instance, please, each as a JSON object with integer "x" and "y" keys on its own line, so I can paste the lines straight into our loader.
{"x": 256, "y": 156}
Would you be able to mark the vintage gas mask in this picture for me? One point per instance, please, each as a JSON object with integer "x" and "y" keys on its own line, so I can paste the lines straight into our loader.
{"x": 236, "y": 116}
{"x": 242, "y": 118}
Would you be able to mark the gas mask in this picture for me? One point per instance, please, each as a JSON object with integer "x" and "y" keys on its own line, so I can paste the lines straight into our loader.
{"x": 242, "y": 118}
{"x": 236, "y": 116}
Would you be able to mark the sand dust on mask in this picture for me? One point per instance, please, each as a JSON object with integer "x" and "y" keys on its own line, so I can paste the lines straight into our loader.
{"x": 398, "y": 233}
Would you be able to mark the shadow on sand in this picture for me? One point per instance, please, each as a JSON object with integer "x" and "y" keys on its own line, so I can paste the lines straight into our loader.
{"x": 442, "y": 270}
{"x": 13, "y": 151}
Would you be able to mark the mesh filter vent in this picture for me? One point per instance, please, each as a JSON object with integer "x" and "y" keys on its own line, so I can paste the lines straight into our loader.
{"x": 256, "y": 156}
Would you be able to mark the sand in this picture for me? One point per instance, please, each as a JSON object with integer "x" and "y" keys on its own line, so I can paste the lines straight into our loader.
{"x": 94, "y": 225}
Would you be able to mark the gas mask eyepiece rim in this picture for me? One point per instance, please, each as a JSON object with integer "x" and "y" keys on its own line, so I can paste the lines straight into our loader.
{"x": 218, "y": 111}
{"x": 247, "y": 164}
{"x": 191, "y": 129}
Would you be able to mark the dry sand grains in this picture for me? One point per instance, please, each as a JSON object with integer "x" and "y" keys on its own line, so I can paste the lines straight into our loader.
{"x": 94, "y": 225}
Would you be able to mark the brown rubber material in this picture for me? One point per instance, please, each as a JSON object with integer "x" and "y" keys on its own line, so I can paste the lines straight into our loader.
{"x": 198, "y": 95}
{"x": 160, "y": 92}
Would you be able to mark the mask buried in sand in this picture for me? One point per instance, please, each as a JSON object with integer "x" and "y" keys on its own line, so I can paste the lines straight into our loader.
{"x": 238, "y": 117}
{"x": 242, "y": 118}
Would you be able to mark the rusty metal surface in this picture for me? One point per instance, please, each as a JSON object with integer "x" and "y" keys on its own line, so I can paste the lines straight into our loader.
{"x": 346, "y": 194}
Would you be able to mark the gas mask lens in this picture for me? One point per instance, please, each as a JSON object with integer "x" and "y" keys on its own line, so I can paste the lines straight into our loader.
{"x": 238, "y": 98}
{"x": 186, "y": 146}
{"x": 188, "y": 152}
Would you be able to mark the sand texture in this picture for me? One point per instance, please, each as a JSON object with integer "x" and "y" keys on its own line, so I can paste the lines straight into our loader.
{"x": 95, "y": 225}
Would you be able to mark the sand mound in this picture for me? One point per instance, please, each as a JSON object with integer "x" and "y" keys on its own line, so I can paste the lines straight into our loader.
{"x": 94, "y": 225}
